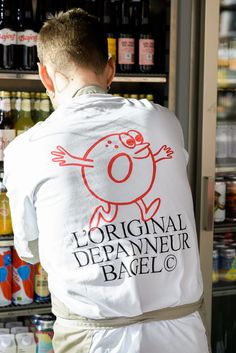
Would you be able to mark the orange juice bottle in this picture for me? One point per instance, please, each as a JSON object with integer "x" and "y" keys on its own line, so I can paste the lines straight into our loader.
{"x": 5, "y": 213}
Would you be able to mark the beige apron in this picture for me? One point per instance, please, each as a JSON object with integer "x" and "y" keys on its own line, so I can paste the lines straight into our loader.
{"x": 73, "y": 333}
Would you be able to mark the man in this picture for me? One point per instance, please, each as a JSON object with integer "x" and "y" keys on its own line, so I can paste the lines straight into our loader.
{"x": 100, "y": 188}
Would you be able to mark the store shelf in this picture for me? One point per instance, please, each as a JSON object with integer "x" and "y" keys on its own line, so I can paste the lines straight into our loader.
{"x": 227, "y": 82}
{"x": 24, "y": 75}
{"x": 6, "y": 240}
{"x": 225, "y": 290}
{"x": 224, "y": 227}
{"x": 24, "y": 310}
{"x": 226, "y": 169}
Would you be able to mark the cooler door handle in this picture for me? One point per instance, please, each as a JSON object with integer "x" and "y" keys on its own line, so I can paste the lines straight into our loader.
{"x": 209, "y": 192}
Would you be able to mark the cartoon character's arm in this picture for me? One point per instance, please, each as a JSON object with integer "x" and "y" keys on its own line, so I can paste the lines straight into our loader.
{"x": 64, "y": 158}
{"x": 163, "y": 153}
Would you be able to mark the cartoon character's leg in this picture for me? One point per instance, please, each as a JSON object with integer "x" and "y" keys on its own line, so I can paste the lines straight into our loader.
{"x": 106, "y": 213}
{"x": 147, "y": 212}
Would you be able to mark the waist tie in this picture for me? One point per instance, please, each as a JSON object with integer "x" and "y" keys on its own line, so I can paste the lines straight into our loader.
{"x": 64, "y": 316}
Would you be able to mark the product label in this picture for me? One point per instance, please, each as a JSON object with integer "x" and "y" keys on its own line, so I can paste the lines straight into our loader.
{"x": 44, "y": 105}
{"x": 41, "y": 281}
{"x": 146, "y": 51}
{"x": 27, "y": 38}
{"x": 6, "y": 136}
{"x": 126, "y": 51}
{"x": 112, "y": 47}
{"x": 7, "y": 36}
{"x": 6, "y": 105}
{"x": 26, "y": 105}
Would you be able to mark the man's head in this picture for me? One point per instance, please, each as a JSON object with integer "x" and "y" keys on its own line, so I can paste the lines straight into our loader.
{"x": 73, "y": 45}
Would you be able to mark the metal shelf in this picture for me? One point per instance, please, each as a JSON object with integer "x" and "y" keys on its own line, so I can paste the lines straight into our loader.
{"x": 224, "y": 290}
{"x": 24, "y": 310}
{"x": 6, "y": 240}
{"x": 226, "y": 82}
{"x": 226, "y": 169}
{"x": 224, "y": 227}
{"x": 142, "y": 78}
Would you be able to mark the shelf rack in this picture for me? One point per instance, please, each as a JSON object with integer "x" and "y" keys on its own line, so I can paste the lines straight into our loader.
{"x": 6, "y": 240}
{"x": 221, "y": 291}
{"x": 224, "y": 227}
{"x": 226, "y": 169}
{"x": 24, "y": 310}
{"x": 138, "y": 78}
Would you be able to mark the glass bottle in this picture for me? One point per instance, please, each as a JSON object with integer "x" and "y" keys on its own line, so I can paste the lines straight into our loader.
{"x": 126, "y": 41}
{"x": 146, "y": 41}
{"x": 7, "y": 36}
{"x": 7, "y": 132}
{"x": 109, "y": 29}
{"x": 24, "y": 121}
{"x": 5, "y": 214}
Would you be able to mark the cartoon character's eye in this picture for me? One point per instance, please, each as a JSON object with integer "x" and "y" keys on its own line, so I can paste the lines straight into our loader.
{"x": 127, "y": 140}
{"x": 137, "y": 136}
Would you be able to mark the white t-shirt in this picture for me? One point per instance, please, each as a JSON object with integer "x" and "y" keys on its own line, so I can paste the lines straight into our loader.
{"x": 102, "y": 185}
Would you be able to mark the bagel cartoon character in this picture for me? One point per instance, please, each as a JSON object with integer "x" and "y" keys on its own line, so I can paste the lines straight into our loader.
{"x": 128, "y": 155}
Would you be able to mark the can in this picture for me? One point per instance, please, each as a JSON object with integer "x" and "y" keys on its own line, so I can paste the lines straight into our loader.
{"x": 220, "y": 194}
{"x": 23, "y": 281}
{"x": 41, "y": 291}
{"x": 44, "y": 332}
{"x": 228, "y": 270}
{"x": 5, "y": 276}
{"x": 215, "y": 267}
{"x": 231, "y": 198}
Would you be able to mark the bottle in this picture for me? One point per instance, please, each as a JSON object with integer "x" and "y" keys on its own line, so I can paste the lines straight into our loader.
{"x": 41, "y": 291}
{"x": 5, "y": 276}
{"x": 23, "y": 281}
{"x": 36, "y": 115}
{"x": 135, "y": 24}
{"x": 7, "y": 37}
{"x": 26, "y": 37}
{"x": 108, "y": 26}
{"x": 7, "y": 343}
{"x": 25, "y": 342}
{"x": 146, "y": 41}
{"x": 13, "y": 105}
{"x": 44, "y": 107}
{"x": 40, "y": 14}
{"x": 24, "y": 121}
{"x": 5, "y": 213}
{"x": 126, "y": 42}
{"x": 7, "y": 132}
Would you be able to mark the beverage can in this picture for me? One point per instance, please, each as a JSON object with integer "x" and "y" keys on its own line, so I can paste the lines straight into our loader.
{"x": 23, "y": 281}
{"x": 215, "y": 269}
{"x": 5, "y": 276}
{"x": 220, "y": 195}
{"x": 41, "y": 291}
{"x": 231, "y": 198}
{"x": 44, "y": 332}
{"x": 228, "y": 270}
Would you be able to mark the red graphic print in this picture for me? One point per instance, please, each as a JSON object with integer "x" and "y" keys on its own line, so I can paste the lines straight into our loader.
{"x": 127, "y": 156}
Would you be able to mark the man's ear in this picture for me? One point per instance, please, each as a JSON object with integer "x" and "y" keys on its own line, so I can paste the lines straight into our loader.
{"x": 111, "y": 70}
{"x": 45, "y": 78}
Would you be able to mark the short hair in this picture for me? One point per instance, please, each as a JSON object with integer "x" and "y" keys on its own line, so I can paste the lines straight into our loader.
{"x": 73, "y": 37}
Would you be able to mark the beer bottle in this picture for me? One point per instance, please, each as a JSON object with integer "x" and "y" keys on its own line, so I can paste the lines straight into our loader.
{"x": 27, "y": 39}
{"x": 5, "y": 214}
{"x": 17, "y": 107}
{"x": 126, "y": 42}
{"x": 7, "y": 36}
{"x": 24, "y": 121}
{"x": 7, "y": 132}
{"x": 135, "y": 23}
{"x": 108, "y": 25}
{"x": 40, "y": 14}
{"x": 13, "y": 106}
{"x": 36, "y": 107}
{"x": 44, "y": 107}
{"x": 146, "y": 41}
